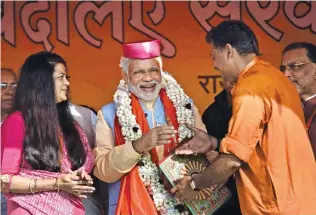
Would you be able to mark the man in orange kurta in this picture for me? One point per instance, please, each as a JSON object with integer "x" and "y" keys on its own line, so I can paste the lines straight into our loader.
{"x": 267, "y": 144}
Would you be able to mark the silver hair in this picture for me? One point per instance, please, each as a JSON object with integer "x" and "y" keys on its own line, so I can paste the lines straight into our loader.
{"x": 124, "y": 63}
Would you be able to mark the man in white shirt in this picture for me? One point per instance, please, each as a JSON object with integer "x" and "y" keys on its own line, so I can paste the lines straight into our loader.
{"x": 8, "y": 85}
{"x": 86, "y": 118}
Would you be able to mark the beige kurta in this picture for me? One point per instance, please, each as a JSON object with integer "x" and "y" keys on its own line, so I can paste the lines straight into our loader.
{"x": 112, "y": 161}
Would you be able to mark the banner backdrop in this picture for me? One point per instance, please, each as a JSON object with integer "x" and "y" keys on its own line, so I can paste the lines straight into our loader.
{"x": 89, "y": 36}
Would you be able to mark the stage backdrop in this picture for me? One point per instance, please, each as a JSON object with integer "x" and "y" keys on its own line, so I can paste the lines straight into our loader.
{"x": 89, "y": 36}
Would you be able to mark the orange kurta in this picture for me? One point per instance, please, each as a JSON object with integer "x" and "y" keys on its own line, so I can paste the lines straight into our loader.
{"x": 267, "y": 131}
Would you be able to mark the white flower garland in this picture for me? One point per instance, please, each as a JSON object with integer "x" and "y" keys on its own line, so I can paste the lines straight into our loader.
{"x": 164, "y": 202}
{"x": 184, "y": 110}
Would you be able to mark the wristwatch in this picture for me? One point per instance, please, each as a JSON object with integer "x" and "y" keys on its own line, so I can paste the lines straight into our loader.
{"x": 192, "y": 185}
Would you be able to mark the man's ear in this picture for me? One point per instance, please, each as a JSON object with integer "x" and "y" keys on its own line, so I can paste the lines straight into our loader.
{"x": 125, "y": 76}
{"x": 314, "y": 70}
{"x": 229, "y": 50}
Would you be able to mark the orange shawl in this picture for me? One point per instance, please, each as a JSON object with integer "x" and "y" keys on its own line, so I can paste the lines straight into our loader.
{"x": 134, "y": 198}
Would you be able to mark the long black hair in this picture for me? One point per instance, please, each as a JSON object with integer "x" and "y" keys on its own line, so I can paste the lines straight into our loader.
{"x": 45, "y": 121}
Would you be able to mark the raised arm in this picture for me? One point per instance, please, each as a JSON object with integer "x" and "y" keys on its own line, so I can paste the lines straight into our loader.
{"x": 245, "y": 130}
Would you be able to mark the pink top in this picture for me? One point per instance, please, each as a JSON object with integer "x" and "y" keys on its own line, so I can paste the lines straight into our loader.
{"x": 13, "y": 162}
{"x": 142, "y": 50}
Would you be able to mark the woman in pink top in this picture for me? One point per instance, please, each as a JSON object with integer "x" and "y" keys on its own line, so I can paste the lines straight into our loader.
{"x": 45, "y": 155}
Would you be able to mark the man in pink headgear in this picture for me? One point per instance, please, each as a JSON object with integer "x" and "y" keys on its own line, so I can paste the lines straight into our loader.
{"x": 141, "y": 127}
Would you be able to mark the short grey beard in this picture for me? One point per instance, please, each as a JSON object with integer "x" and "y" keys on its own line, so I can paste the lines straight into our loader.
{"x": 136, "y": 91}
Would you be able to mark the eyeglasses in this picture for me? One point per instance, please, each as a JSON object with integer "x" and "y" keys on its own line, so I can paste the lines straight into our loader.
{"x": 293, "y": 66}
{"x": 5, "y": 86}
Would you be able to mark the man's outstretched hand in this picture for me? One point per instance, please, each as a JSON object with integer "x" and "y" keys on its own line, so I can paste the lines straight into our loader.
{"x": 201, "y": 143}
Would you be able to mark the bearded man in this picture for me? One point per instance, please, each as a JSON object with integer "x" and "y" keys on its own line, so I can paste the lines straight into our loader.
{"x": 141, "y": 127}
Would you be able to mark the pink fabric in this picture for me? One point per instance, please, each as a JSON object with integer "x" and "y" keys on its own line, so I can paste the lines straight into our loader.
{"x": 142, "y": 50}
{"x": 42, "y": 203}
{"x": 12, "y": 137}
{"x": 15, "y": 209}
